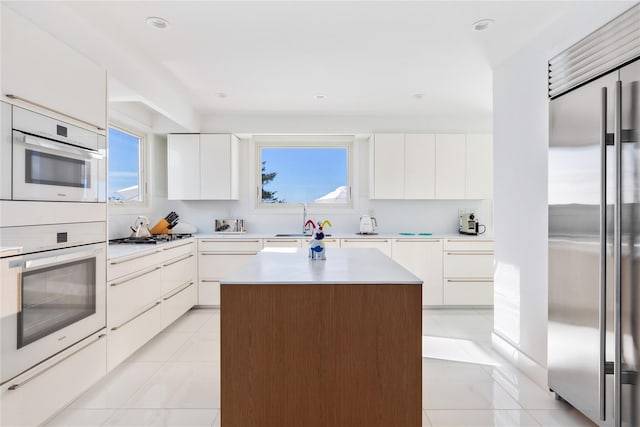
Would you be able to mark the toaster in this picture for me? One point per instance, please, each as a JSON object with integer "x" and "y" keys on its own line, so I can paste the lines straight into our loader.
{"x": 229, "y": 226}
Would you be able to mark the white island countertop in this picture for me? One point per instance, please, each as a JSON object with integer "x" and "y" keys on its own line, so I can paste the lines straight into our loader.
{"x": 349, "y": 266}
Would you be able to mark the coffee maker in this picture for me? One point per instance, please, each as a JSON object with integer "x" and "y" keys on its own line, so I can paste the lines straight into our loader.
{"x": 469, "y": 224}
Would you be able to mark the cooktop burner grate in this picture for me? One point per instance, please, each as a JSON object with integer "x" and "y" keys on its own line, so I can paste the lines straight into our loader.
{"x": 157, "y": 238}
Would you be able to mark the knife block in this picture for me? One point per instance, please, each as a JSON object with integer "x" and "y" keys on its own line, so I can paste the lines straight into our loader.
{"x": 161, "y": 227}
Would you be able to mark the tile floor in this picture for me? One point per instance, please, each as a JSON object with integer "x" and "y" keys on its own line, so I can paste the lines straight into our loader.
{"x": 174, "y": 380}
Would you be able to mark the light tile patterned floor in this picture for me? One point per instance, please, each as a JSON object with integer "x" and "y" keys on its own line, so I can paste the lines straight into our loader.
{"x": 174, "y": 380}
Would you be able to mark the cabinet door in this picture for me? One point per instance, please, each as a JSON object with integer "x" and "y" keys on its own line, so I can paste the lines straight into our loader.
{"x": 383, "y": 244}
{"x": 450, "y": 166}
{"x": 218, "y": 177}
{"x": 419, "y": 166}
{"x": 183, "y": 167}
{"x": 42, "y": 69}
{"x": 424, "y": 259}
{"x": 479, "y": 167}
{"x": 387, "y": 166}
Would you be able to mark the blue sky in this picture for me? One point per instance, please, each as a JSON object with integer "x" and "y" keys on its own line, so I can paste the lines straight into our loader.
{"x": 305, "y": 174}
{"x": 124, "y": 161}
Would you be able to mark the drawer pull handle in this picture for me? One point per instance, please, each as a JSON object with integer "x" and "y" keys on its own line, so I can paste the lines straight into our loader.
{"x": 17, "y": 386}
{"x": 115, "y": 328}
{"x": 470, "y": 280}
{"x": 485, "y": 253}
{"x": 282, "y": 241}
{"x": 469, "y": 241}
{"x": 187, "y": 286}
{"x": 227, "y": 253}
{"x": 209, "y": 281}
{"x": 19, "y": 98}
{"x": 225, "y": 240}
{"x": 134, "y": 258}
{"x": 367, "y": 240}
{"x": 419, "y": 240}
{"x": 178, "y": 260}
{"x": 114, "y": 284}
{"x": 178, "y": 246}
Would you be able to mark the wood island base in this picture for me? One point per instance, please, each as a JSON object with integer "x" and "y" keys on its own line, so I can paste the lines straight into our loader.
{"x": 330, "y": 355}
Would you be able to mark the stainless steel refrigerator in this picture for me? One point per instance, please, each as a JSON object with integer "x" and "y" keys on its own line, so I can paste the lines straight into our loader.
{"x": 594, "y": 223}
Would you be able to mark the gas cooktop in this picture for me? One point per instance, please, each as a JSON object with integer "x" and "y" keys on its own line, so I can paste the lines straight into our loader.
{"x": 155, "y": 239}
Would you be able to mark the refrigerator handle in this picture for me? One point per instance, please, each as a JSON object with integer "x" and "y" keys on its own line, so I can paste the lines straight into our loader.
{"x": 602, "y": 374}
{"x": 617, "y": 256}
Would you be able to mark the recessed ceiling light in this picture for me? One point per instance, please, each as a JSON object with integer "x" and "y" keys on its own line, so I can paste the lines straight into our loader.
{"x": 157, "y": 22}
{"x": 483, "y": 24}
{"x": 221, "y": 95}
{"x": 320, "y": 96}
{"x": 417, "y": 95}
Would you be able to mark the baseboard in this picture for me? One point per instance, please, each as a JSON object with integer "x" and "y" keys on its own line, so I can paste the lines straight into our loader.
{"x": 527, "y": 365}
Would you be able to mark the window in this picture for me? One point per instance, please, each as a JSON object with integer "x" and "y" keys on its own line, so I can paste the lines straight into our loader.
{"x": 311, "y": 170}
{"x": 126, "y": 161}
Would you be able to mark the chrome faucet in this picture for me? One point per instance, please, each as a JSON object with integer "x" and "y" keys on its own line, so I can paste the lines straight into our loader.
{"x": 305, "y": 229}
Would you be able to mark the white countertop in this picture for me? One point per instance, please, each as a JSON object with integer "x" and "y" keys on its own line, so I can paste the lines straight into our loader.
{"x": 117, "y": 250}
{"x": 342, "y": 266}
{"x": 342, "y": 236}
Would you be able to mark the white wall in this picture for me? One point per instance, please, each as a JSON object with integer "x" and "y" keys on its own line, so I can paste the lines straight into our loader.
{"x": 520, "y": 123}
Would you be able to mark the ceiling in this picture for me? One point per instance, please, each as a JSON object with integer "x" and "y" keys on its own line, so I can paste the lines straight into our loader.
{"x": 366, "y": 58}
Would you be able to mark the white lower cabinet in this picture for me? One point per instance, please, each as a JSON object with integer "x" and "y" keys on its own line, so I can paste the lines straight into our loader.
{"x": 216, "y": 259}
{"x": 128, "y": 295}
{"x": 33, "y": 397}
{"x": 127, "y": 337}
{"x": 178, "y": 302}
{"x": 468, "y": 272}
{"x": 383, "y": 244}
{"x": 284, "y": 243}
{"x": 423, "y": 258}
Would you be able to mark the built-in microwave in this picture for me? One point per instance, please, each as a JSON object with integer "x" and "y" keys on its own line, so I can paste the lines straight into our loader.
{"x": 51, "y": 160}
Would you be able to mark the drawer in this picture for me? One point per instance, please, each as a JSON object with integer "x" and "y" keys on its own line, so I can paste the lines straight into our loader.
{"x": 177, "y": 303}
{"x": 44, "y": 390}
{"x": 468, "y": 264}
{"x": 131, "y": 264}
{"x": 177, "y": 271}
{"x": 178, "y": 250}
{"x": 230, "y": 245}
{"x": 209, "y": 292}
{"x": 383, "y": 244}
{"x": 332, "y": 243}
{"x": 468, "y": 292}
{"x": 127, "y": 337}
{"x": 468, "y": 245}
{"x": 284, "y": 243}
{"x": 215, "y": 266}
{"x": 129, "y": 294}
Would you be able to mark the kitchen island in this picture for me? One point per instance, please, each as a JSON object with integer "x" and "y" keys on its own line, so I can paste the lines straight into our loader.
{"x": 321, "y": 343}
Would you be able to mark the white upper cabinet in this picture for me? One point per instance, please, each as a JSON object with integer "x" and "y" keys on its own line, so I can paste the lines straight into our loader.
{"x": 41, "y": 69}
{"x": 183, "y": 167}
{"x": 479, "y": 166}
{"x": 218, "y": 167}
{"x": 419, "y": 166}
{"x": 450, "y": 166}
{"x": 387, "y": 166}
{"x": 202, "y": 167}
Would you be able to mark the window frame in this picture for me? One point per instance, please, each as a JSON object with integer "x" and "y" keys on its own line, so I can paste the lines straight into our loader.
{"x": 302, "y": 141}
{"x": 143, "y": 179}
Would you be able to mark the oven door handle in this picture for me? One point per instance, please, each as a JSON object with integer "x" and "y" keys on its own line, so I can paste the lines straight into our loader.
{"x": 84, "y": 153}
{"x": 39, "y": 261}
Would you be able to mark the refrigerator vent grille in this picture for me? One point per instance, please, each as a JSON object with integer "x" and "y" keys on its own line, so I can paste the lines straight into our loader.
{"x": 612, "y": 45}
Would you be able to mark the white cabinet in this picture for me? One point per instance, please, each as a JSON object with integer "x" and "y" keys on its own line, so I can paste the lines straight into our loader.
{"x": 178, "y": 284}
{"x": 33, "y": 397}
{"x": 383, "y": 244}
{"x": 202, "y": 167}
{"x": 42, "y": 69}
{"x": 403, "y": 166}
{"x": 284, "y": 243}
{"x": 419, "y": 166}
{"x": 183, "y": 167}
{"x": 216, "y": 259}
{"x": 479, "y": 166}
{"x": 468, "y": 272}
{"x": 331, "y": 242}
{"x": 423, "y": 258}
{"x": 387, "y": 178}
{"x": 450, "y": 175}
